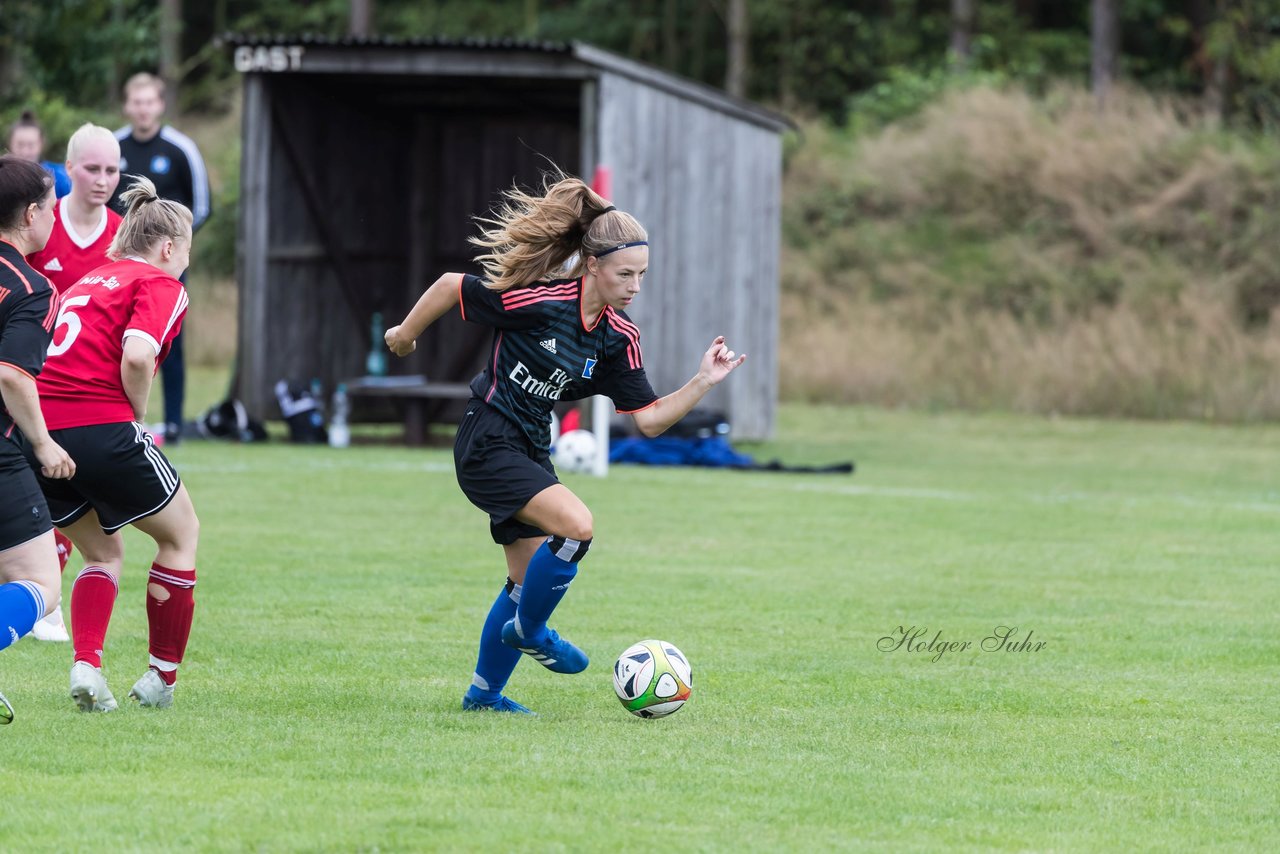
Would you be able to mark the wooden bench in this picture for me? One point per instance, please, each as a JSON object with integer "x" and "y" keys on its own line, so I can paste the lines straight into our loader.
{"x": 414, "y": 393}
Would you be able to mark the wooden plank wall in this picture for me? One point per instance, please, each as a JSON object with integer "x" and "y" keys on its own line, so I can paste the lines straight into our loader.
{"x": 400, "y": 179}
{"x": 353, "y": 154}
{"x": 252, "y": 369}
{"x": 471, "y": 159}
{"x": 398, "y": 186}
{"x": 707, "y": 187}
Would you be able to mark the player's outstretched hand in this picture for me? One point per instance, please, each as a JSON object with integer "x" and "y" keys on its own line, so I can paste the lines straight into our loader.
{"x": 719, "y": 361}
{"x": 55, "y": 463}
{"x": 397, "y": 344}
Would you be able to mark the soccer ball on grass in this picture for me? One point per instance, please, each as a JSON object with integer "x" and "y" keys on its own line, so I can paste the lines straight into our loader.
{"x": 652, "y": 679}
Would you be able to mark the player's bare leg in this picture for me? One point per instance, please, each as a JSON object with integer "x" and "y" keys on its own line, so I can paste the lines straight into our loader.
{"x": 29, "y": 590}
{"x": 52, "y": 627}
{"x": 36, "y": 562}
{"x": 518, "y": 555}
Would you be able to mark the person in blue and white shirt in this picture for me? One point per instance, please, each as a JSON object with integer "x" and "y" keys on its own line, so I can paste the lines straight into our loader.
{"x": 171, "y": 161}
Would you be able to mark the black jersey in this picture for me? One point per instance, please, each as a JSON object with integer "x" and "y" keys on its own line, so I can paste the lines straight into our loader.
{"x": 172, "y": 162}
{"x": 28, "y": 307}
{"x": 545, "y": 351}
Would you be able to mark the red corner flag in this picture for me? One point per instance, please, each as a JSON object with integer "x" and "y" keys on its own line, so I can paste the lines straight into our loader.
{"x": 602, "y": 182}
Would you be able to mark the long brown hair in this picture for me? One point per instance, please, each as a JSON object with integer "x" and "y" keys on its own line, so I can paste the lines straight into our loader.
{"x": 22, "y": 184}
{"x": 530, "y": 237}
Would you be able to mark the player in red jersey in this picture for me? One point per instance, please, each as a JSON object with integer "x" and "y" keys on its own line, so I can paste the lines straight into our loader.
{"x": 82, "y": 233}
{"x": 28, "y": 564}
{"x": 84, "y": 226}
{"x": 114, "y": 327}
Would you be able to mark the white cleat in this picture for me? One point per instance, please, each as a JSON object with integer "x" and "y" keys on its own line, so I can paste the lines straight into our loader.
{"x": 6, "y": 711}
{"x": 151, "y": 690}
{"x": 89, "y": 689}
{"x": 51, "y": 628}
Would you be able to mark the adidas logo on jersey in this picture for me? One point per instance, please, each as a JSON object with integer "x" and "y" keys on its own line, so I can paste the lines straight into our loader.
{"x": 549, "y": 345}
{"x": 54, "y": 266}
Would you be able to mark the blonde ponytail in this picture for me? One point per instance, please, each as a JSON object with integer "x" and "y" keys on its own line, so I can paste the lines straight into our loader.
{"x": 532, "y": 237}
{"x": 148, "y": 219}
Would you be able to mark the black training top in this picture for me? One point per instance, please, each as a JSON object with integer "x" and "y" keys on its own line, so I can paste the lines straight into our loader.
{"x": 172, "y": 162}
{"x": 28, "y": 307}
{"x": 545, "y": 351}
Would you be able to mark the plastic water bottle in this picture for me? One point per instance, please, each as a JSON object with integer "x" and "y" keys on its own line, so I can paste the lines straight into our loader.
{"x": 339, "y": 432}
{"x": 317, "y": 396}
{"x": 376, "y": 364}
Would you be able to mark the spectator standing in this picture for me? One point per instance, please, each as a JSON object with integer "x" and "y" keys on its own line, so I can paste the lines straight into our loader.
{"x": 26, "y": 140}
{"x": 171, "y": 161}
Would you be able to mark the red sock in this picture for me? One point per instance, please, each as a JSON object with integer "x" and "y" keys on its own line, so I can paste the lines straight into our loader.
{"x": 169, "y": 616}
{"x": 64, "y": 549}
{"x": 93, "y": 595}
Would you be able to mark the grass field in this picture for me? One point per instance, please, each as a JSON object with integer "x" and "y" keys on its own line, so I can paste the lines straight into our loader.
{"x": 341, "y": 595}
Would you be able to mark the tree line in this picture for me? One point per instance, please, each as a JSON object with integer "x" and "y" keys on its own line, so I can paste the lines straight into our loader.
{"x": 814, "y": 56}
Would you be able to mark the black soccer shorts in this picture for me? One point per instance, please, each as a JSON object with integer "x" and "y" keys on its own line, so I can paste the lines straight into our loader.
{"x": 500, "y": 470}
{"x": 24, "y": 515}
{"x": 120, "y": 473}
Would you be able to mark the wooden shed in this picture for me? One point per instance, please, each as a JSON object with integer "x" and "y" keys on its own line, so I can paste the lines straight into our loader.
{"x": 365, "y": 160}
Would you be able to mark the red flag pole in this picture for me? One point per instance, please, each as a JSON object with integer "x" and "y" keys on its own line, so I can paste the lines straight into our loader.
{"x": 602, "y": 182}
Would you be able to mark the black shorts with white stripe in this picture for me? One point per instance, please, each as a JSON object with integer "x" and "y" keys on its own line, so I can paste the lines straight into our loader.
{"x": 120, "y": 473}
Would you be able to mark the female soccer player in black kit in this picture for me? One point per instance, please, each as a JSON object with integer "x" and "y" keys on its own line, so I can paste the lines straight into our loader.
{"x": 554, "y": 339}
{"x": 29, "y": 585}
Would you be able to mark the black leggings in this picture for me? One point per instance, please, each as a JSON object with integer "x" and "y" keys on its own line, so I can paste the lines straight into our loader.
{"x": 173, "y": 375}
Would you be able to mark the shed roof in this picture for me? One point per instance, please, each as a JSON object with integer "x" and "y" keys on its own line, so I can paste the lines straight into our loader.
{"x": 590, "y": 58}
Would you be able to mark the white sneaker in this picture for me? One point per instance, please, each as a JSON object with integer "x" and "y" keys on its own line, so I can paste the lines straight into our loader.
{"x": 51, "y": 628}
{"x": 89, "y": 689}
{"x": 151, "y": 690}
{"x": 6, "y": 711}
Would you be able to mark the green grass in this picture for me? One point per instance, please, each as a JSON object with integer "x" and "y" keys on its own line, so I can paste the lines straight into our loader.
{"x": 341, "y": 594}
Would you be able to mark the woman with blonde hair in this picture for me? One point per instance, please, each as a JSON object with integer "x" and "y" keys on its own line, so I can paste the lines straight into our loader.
{"x": 115, "y": 326}
{"x": 554, "y": 339}
{"x": 83, "y": 228}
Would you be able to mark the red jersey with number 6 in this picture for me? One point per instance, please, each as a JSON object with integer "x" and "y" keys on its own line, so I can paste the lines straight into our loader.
{"x": 81, "y": 384}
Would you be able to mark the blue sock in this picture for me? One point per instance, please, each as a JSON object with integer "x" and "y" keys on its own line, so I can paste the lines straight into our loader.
{"x": 21, "y": 604}
{"x": 547, "y": 579}
{"x": 496, "y": 660}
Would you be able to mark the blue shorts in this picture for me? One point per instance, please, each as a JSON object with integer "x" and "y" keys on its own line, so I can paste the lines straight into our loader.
{"x": 500, "y": 470}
